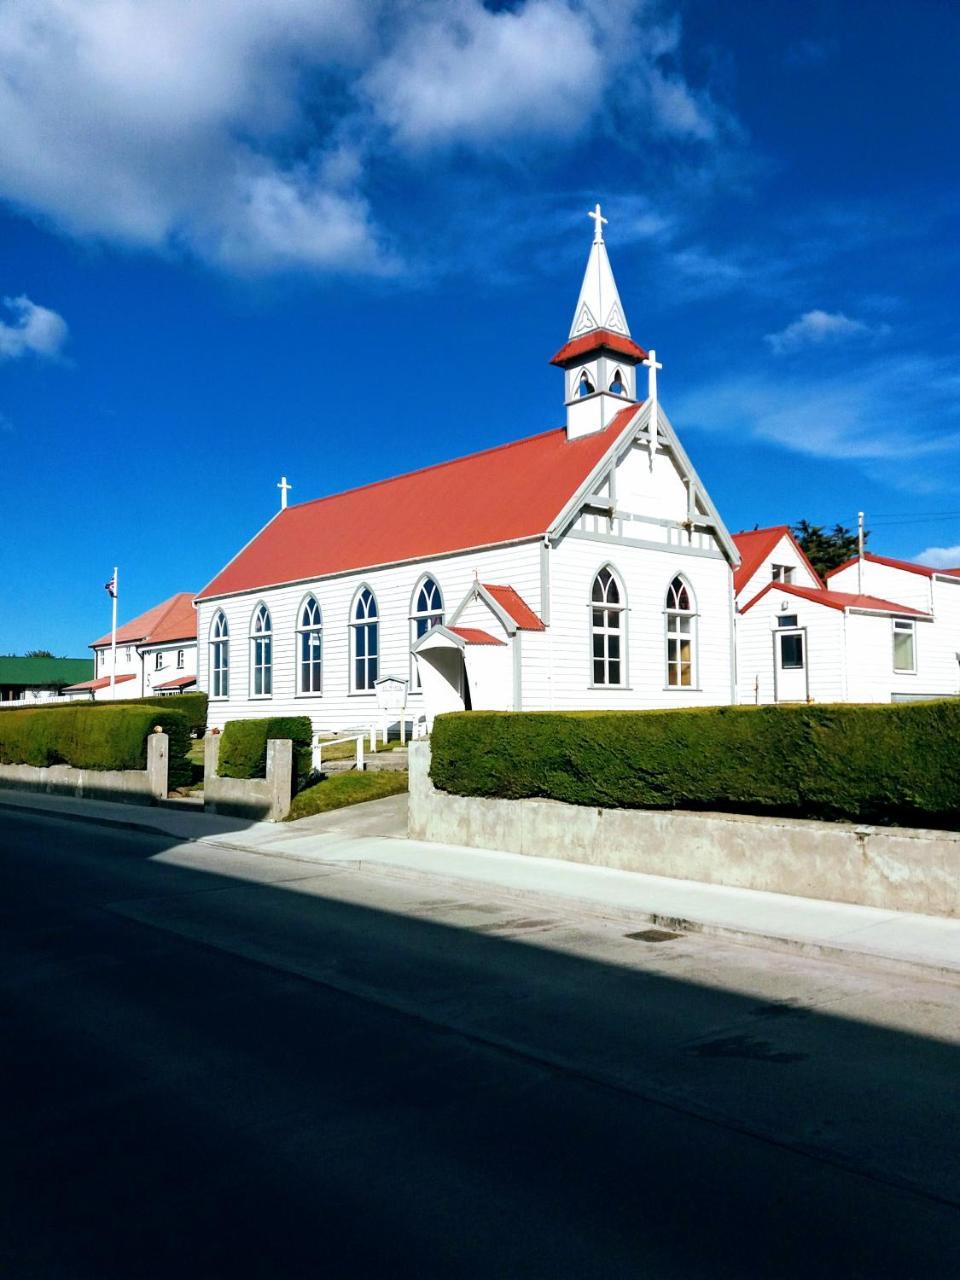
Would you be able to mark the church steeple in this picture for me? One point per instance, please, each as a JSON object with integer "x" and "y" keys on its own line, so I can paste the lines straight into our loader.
{"x": 599, "y": 305}
{"x": 600, "y": 358}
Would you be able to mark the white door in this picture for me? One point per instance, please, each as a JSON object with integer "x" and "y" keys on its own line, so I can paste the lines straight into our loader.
{"x": 790, "y": 663}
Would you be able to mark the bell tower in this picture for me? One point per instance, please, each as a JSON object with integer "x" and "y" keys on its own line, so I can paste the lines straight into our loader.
{"x": 599, "y": 360}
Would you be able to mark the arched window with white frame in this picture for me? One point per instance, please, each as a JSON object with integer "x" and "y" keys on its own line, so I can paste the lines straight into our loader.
{"x": 261, "y": 653}
{"x": 608, "y": 629}
{"x": 219, "y": 656}
{"x": 310, "y": 647}
{"x": 365, "y": 641}
{"x": 680, "y": 617}
{"x": 426, "y": 612}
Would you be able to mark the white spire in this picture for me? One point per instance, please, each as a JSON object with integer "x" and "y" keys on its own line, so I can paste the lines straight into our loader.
{"x": 599, "y": 305}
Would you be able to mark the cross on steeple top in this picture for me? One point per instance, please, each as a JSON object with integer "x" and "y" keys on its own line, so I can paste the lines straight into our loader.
{"x": 284, "y": 488}
{"x": 598, "y": 223}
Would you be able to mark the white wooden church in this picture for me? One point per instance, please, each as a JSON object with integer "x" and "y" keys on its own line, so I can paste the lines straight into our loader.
{"x": 584, "y": 567}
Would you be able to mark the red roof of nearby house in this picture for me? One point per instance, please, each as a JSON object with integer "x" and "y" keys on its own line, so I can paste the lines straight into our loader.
{"x": 473, "y": 635}
{"x": 908, "y": 566}
{"x": 181, "y": 682}
{"x": 507, "y": 494}
{"x": 755, "y": 545}
{"x": 511, "y": 602}
{"x": 841, "y": 600}
{"x": 175, "y": 619}
{"x": 598, "y": 338}
{"x": 100, "y": 683}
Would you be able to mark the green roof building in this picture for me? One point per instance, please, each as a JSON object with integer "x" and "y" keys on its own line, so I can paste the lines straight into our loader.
{"x": 36, "y": 679}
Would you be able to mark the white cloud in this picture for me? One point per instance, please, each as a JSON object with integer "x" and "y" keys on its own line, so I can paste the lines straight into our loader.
{"x": 817, "y": 326}
{"x": 34, "y": 330}
{"x": 940, "y": 557}
{"x": 250, "y": 134}
{"x": 845, "y": 417}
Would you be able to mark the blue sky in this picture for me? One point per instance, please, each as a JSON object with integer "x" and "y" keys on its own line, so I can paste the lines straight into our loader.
{"x": 342, "y": 239}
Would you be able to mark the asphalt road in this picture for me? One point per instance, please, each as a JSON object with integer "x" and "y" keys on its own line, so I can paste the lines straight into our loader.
{"x": 220, "y": 1067}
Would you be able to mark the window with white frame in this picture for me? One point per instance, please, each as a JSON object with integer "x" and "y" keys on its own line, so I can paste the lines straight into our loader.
{"x": 158, "y": 661}
{"x": 904, "y": 645}
{"x": 179, "y": 659}
{"x": 310, "y": 648}
{"x": 426, "y": 613}
{"x": 681, "y": 620}
{"x": 781, "y": 572}
{"x": 127, "y": 653}
{"x": 606, "y": 629}
{"x": 365, "y": 641}
{"x": 261, "y": 653}
{"x": 220, "y": 657}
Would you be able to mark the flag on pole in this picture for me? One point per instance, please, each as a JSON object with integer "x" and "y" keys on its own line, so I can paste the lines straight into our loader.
{"x": 111, "y": 587}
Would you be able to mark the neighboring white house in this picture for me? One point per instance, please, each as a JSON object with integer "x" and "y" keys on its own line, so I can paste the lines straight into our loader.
{"x": 879, "y": 631}
{"x": 583, "y": 567}
{"x": 156, "y": 654}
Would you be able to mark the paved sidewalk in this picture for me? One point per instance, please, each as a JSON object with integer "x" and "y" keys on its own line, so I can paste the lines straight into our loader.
{"x": 374, "y": 833}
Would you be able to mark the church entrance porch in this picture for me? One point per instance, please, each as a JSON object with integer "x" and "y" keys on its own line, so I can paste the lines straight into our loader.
{"x": 464, "y": 669}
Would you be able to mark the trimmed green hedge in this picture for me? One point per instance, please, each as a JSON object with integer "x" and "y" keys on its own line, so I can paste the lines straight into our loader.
{"x": 88, "y": 736}
{"x": 884, "y": 763}
{"x": 193, "y": 706}
{"x": 243, "y": 746}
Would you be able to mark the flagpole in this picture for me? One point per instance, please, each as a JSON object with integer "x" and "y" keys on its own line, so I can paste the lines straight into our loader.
{"x": 113, "y": 639}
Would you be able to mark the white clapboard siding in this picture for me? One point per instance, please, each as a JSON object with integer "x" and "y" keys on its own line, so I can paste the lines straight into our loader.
{"x": 897, "y": 585}
{"x": 336, "y": 708}
{"x": 558, "y": 671}
{"x": 826, "y": 648}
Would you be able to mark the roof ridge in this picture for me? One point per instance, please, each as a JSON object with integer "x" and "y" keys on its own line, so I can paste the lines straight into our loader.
{"x": 433, "y": 466}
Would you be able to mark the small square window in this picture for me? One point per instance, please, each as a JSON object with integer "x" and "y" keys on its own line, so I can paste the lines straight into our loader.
{"x": 787, "y": 620}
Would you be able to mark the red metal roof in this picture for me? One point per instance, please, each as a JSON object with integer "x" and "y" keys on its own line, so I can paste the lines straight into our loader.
{"x": 598, "y": 338}
{"x": 472, "y": 635}
{"x": 511, "y": 602}
{"x": 755, "y": 545}
{"x": 175, "y": 619}
{"x": 507, "y": 494}
{"x": 908, "y": 566}
{"x": 180, "y": 683}
{"x": 100, "y": 683}
{"x": 841, "y": 600}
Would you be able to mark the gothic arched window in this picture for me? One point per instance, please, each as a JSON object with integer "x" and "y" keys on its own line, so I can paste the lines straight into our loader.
{"x": 219, "y": 656}
{"x": 681, "y": 633}
{"x": 607, "y": 629}
{"x": 618, "y": 386}
{"x": 585, "y": 387}
{"x": 426, "y": 612}
{"x": 261, "y": 653}
{"x": 310, "y": 648}
{"x": 365, "y": 642}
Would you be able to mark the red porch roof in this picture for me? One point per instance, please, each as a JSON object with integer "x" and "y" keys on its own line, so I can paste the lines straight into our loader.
{"x": 100, "y": 683}
{"x": 512, "y": 603}
{"x": 473, "y": 635}
{"x": 841, "y": 600}
{"x": 181, "y": 682}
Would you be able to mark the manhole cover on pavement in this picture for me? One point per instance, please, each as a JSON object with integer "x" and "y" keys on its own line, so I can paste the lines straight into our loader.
{"x": 652, "y": 935}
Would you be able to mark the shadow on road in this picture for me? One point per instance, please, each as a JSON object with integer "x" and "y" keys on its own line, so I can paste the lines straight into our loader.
{"x": 245, "y": 1066}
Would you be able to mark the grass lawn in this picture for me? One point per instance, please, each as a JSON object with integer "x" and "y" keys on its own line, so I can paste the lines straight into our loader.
{"x": 346, "y": 788}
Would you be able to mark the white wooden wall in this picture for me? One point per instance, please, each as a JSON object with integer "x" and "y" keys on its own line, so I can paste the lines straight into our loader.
{"x": 170, "y": 669}
{"x": 825, "y": 649}
{"x": 336, "y": 708}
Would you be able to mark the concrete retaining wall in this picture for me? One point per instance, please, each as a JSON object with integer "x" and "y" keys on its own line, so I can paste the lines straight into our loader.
{"x": 131, "y": 786}
{"x": 255, "y": 798}
{"x": 895, "y": 868}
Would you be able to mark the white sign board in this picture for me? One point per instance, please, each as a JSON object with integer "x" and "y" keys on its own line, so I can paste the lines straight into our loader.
{"x": 391, "y": 693}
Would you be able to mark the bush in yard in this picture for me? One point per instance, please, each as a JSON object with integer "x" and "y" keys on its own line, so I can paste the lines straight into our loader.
{"x": 87, "y": 736}
{"x": 243, "y": 746}
{"x": 896, "y": 762}
{"x": 193, "y": 706}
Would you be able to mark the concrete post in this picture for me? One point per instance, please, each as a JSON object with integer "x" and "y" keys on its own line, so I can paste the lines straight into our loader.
{"x": 211, "y": 755}
{"x": 280, "y": 777}
{"x": 158, "y": 765}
